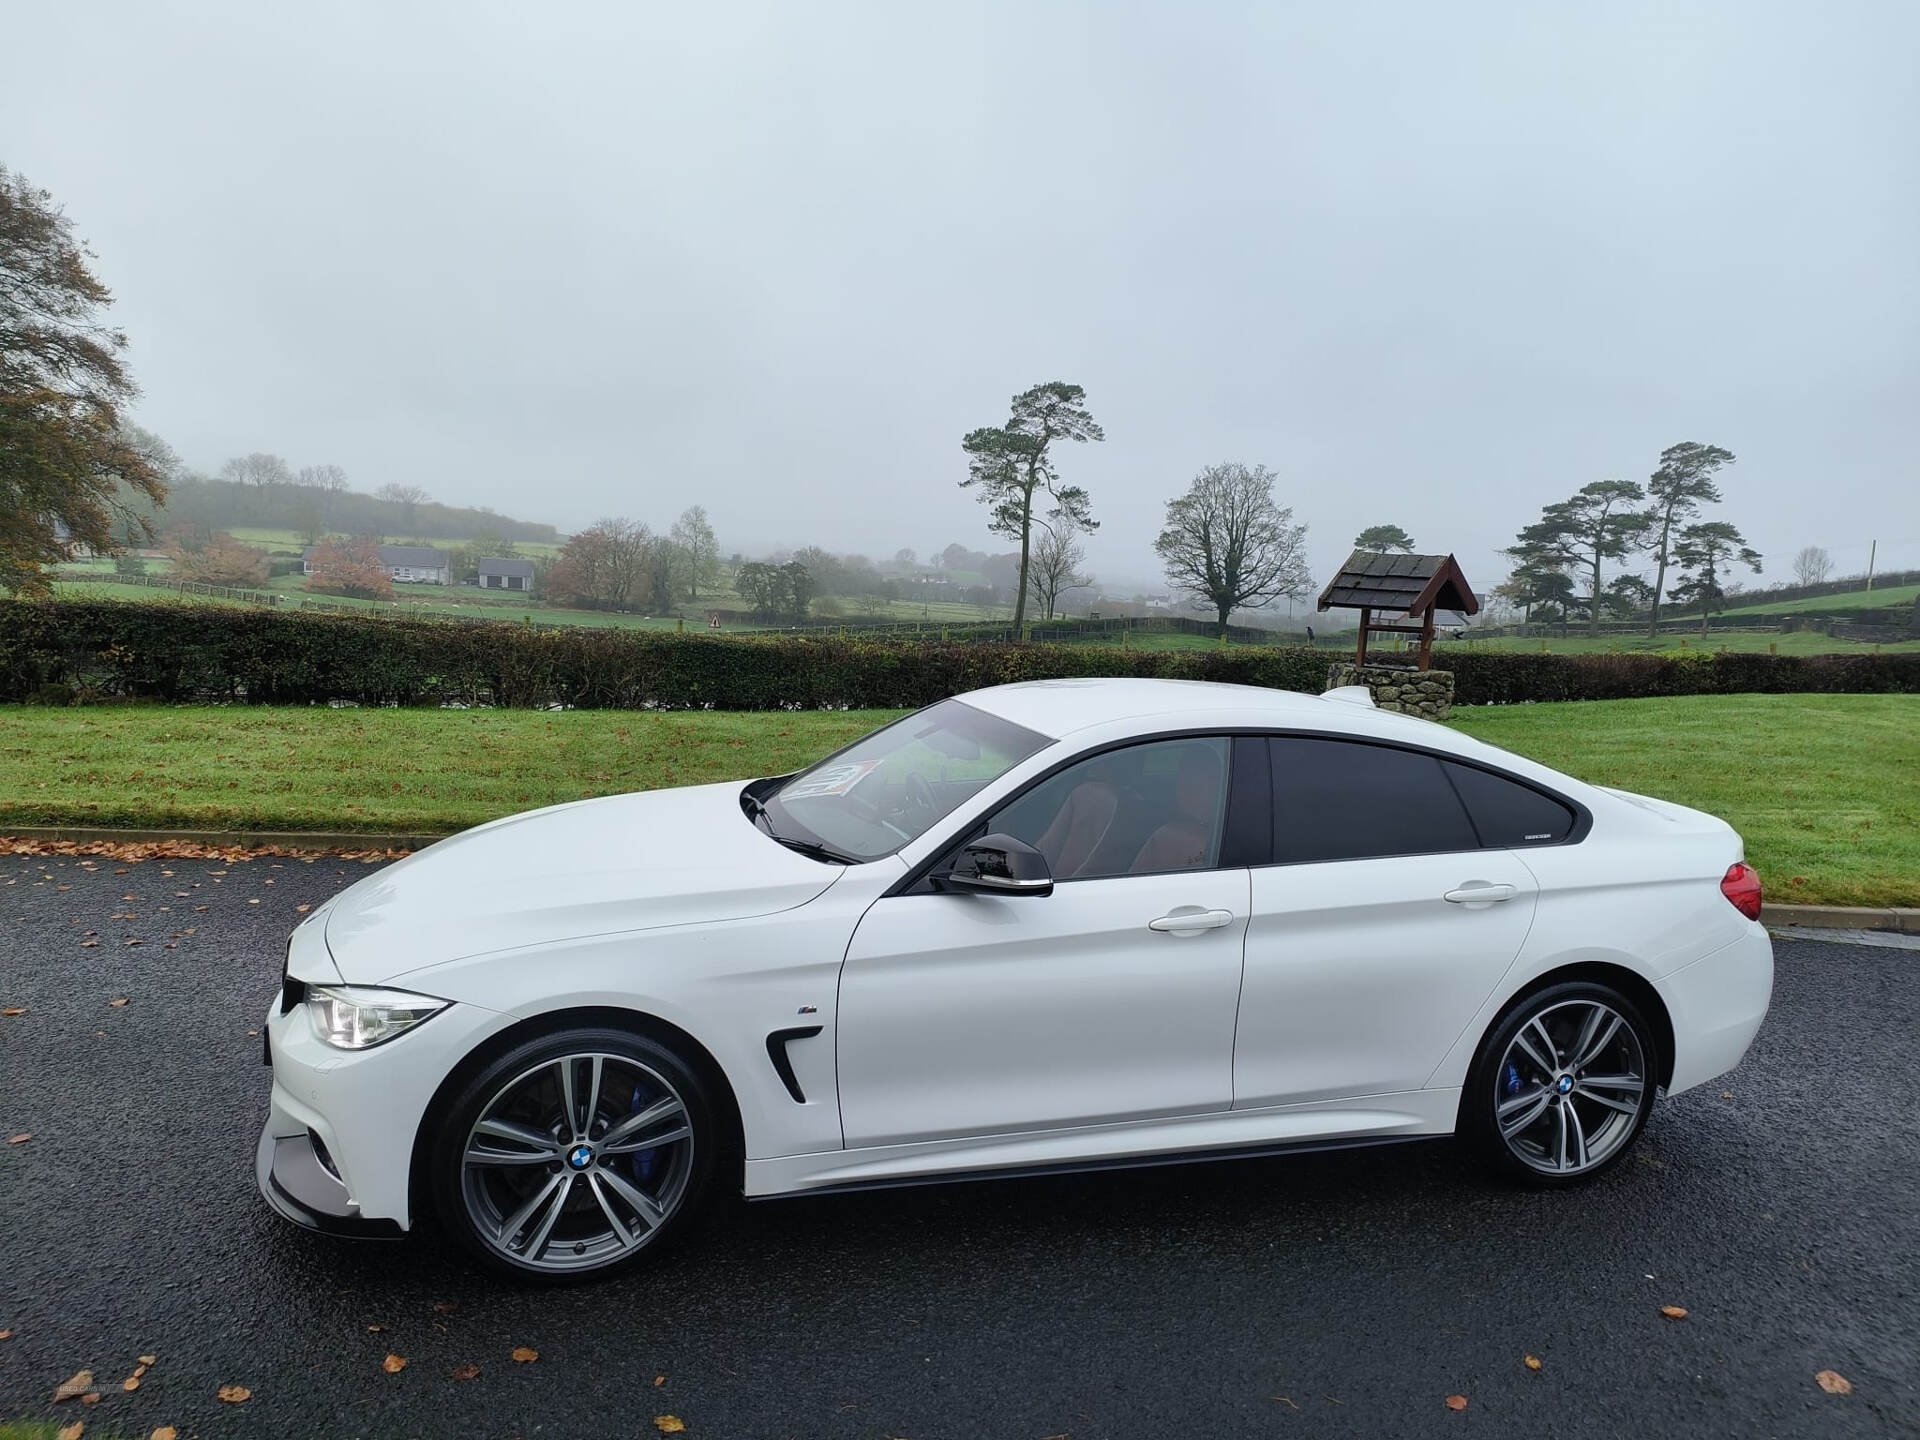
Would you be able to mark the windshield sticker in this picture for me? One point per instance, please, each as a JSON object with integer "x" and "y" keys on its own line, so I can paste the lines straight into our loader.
{"x": 831, "y": 780}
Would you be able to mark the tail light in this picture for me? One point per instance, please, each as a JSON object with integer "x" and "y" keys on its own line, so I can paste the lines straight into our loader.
{"x": 1741, "y": 886}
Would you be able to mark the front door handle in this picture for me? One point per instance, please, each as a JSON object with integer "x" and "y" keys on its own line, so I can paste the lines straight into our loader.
{"x": 1479, "y": 892}
{"x": 1191, "y": 920}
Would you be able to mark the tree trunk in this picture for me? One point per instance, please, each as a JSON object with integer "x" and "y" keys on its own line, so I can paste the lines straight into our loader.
{"x": 1593, "y": 602}
{"x": 1026, "y": 547}
{"x": 1225, "y": 610}
{"x": 1660, "y": 575}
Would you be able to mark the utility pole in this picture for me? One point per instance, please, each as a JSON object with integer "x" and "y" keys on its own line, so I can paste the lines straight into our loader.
{"x": 1873, "y": 548}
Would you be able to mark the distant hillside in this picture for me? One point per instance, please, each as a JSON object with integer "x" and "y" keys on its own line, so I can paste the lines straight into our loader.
{"x": 231, "y": 504}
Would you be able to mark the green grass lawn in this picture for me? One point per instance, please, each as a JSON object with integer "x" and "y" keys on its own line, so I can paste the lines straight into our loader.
{"x": 1826, "y": 788}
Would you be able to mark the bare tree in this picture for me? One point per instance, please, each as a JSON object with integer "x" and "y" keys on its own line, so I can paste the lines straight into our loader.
{"x": 693, "y": 533}
{"x": 1054, "y": 566}
{"x": 1228, "y": 545}
{"x": 329, "y": 478}
{"x": 1812, "y": 566}
{"x": 259, "y": 469}
{"x": 407, "y": 497}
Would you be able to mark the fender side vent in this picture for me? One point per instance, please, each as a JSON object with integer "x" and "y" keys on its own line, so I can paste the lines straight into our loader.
{"x": 777, "y": 1044}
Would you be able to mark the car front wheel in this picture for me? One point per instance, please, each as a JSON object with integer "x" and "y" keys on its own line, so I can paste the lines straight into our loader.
{"x": 1563, "y": 1085}
{"x": 575, "y": 1154}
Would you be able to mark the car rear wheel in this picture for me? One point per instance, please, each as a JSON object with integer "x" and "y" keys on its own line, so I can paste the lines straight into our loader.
{"x": 575, "y": 1154}
{"x": 1563, "y": 1085}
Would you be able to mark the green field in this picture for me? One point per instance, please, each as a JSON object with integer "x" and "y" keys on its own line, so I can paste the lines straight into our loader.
{"x": 1797, "y": 642}
{"x": 1826, "y": 788}
{"x": 1849, "y": 603}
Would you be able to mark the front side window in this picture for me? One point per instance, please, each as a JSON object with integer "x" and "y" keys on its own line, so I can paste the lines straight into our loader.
{"x": 1143, "y": 810}
{"x": 889, "y": 787}
{"x": 1343, "y": 800}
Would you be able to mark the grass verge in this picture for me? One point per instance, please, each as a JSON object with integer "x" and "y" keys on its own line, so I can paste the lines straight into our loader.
{"x": 1825, "y": 788}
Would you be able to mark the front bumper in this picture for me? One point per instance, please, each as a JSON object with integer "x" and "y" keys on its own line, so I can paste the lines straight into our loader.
{"x": 298, "y": 1187}
{"x": 336, "y": 1153}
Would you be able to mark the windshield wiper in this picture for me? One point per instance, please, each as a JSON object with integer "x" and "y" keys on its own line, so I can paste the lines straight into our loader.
{"x": 756, "y": 809}
{"x": 812, "y": 848}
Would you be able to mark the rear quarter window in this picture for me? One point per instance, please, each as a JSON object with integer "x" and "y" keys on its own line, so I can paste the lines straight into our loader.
{"x": 1508, "y": 813}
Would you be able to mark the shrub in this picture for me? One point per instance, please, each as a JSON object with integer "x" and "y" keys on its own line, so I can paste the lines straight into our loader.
{"x": 181, "y": 652}
{"x": 349, "y": 565}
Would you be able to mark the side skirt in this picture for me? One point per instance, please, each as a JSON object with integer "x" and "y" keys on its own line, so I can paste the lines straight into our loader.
{"x": 1319, "y": 1125}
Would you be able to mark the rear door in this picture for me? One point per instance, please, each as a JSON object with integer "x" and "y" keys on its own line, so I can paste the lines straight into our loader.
{"x": 1383, "y": 924}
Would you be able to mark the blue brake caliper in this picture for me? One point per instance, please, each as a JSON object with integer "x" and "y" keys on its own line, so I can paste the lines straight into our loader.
{"x": 1511, "y": 1080}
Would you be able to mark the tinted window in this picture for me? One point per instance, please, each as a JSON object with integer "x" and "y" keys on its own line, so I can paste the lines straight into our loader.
{"x": 1505, "y": 812}
{"x": 1144, "y": 810}
{"x": 1340, "y": 800}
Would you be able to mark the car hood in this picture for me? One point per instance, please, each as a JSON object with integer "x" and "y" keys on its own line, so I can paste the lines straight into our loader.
{"x": 595, "y": 867}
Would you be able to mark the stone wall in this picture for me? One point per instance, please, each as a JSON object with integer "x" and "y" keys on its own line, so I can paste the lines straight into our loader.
{"x": 1426, "y": 693}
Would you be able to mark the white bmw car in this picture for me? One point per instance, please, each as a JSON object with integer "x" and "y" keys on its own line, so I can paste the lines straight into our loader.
{"x": 1049, "y": 925}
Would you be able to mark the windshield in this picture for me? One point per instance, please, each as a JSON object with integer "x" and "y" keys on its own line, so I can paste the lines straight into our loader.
{"x": 882, "y": 791}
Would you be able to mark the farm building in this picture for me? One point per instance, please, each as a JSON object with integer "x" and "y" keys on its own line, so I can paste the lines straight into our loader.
{"x": 497, "y": 573}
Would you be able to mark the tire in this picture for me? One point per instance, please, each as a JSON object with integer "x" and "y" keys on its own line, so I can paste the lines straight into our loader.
{"x": 1539, "y": 1114}
{"x": 597, "y": 1150}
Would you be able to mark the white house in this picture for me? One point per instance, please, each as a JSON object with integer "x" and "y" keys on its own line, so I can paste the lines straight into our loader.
{"x": 404, "y": 564}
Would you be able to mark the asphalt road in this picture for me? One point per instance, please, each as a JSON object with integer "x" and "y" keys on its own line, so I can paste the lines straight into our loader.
{"x": 1339, "y": 1295}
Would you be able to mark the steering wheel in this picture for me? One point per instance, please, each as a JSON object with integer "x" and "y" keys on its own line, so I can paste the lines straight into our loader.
{"x": 920, "y": 794}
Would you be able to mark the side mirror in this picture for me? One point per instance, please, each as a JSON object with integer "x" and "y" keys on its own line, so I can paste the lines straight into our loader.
{"x": 1000, "y": 865}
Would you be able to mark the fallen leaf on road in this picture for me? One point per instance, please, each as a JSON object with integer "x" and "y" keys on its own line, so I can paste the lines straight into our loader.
{"x": 658, "y": 1381}
{"x": 78, "y": 1385}
{"x": 138, "y": 1371}
{"x": 19, "y": 1139}
{"x": 117, "y": 1004}
{"x": 1673, "y": 1312}
{"x": 1532, "y": 1362}
{"x": 136, "y": 942}
{"x": 1833, "y": 1382}
{"x": 465, "y": 1372}
{"x": 525, "y": 1356}
{"x": 72, "y": 1432}
{"x": 235, "y": 1394}
{"x": 6, "y": 1334}
{"x": 165, "y": 1432}
{"x": 149, "y": 1359}
{"x": 376, "y": 1329}
{"x": 445, "y": 1307}
{"x": 394, "y": 1364}
{"x": 130, "y": 1384}
{"x": 669, "y": 1424}
{"x": 1456, "y": 1402}
{"x": 92, "y": 1397}
{"x": 88, "y": 944}
{"x": 302, "y": 909}
{"x": 14, "y": 1010}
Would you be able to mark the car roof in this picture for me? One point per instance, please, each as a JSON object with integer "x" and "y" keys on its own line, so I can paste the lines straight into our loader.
{"x": 1056, "y": 708}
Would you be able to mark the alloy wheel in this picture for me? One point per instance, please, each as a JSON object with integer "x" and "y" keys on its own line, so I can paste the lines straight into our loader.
{"x": 577, "y": 1162}
{"x": 1570, "y": 1088}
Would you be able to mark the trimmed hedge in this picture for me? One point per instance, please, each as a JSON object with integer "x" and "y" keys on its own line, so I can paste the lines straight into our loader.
{"x": 57, "y": 650}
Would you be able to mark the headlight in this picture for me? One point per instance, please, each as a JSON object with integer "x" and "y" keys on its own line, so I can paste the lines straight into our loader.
{"x": 355, "y": 1017}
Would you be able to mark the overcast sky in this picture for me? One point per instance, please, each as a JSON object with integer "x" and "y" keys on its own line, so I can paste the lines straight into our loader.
{"x": 1437, "y": 264}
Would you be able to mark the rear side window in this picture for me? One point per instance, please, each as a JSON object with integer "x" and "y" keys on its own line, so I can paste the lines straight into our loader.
{"x": 1342, "y": 800}
{"x": 1507, "y": 813}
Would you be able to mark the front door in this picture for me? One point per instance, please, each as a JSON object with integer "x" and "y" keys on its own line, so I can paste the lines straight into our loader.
{"x": 1111, "y": 999}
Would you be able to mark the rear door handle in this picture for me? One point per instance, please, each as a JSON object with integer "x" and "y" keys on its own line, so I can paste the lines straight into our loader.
{"x": 1478, "y": 892}
{"x": 1191, "y": 920}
